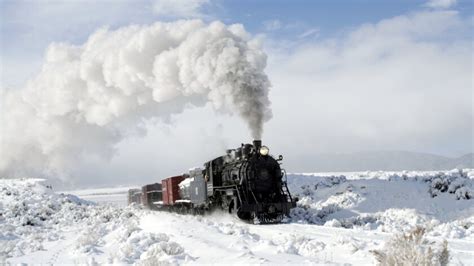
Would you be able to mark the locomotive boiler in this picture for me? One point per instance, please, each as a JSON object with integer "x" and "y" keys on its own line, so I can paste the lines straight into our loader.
{"x": 246, "y": 181}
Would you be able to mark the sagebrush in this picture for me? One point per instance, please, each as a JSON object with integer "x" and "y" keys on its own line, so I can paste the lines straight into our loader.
{"x": 413, "y": 248}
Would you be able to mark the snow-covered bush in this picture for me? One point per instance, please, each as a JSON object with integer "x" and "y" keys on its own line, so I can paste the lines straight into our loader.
{"x": 161, "y": 253}
{"x": 317, "y": 212}
{"x": 413, "y": 249}
{"x": 299, "y": 245}
{"x": 87, "y": 240}
{"x": 327, "y": 181}
{"x": 462, "y": 228}
{"x": 454, "y": 182}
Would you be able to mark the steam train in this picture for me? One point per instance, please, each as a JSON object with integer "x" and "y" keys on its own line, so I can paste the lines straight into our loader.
{"x": 246, "y": 181}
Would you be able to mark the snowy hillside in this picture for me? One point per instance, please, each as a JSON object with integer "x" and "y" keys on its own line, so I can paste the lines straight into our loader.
{"x": 340, "y": 218}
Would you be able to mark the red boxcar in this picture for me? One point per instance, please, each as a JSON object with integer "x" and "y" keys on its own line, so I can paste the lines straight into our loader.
{"x": 170, "y": 187}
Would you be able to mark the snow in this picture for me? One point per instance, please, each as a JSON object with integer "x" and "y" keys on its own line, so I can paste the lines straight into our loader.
{"x": 183, "y": 201}
{"x": 384, "y": 201}
{"x": 111, "y": 196}
{"x": 186, "y": 182}
{"x": 40, "y": 226}
{"x": 340, "y": 218}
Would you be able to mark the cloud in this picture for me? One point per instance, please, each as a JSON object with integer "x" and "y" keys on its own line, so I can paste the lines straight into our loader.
{"x": 272, "y": 25}
{"x": 308, "y": 33}
{"x": 179, "y": 8}
{"x": 403, "y": 83}
{"x": 441, "y": 3}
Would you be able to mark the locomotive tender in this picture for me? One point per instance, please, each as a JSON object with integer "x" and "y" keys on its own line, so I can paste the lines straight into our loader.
{"x": 247, "y": 182}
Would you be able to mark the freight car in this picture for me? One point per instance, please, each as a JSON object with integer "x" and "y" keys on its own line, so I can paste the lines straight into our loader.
{"x": 247, "y": 182}
{"x": 134, "y": 196}
{"x": 151, "y": 195}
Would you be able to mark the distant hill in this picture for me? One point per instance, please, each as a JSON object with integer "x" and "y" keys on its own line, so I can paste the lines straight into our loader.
{"x": 465, "y": 161}
{"x": 384, "y": 161}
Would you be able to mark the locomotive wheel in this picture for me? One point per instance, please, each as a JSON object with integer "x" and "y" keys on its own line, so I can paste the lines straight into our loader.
{"x": 269, "y": 218}
{"x": 244, "y": 215}
{"x": 234, "y": 208}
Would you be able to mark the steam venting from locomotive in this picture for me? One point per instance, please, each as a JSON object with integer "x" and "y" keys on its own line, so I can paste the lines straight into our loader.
{"x": 87, "y": 98}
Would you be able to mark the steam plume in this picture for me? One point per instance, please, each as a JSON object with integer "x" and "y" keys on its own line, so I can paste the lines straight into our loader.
{"x": 87, "y": 98}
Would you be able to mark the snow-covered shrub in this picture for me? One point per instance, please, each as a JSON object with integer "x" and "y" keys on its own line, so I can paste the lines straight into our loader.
{"x": 333, "y": 223}
{"x": 87, "y": 240}
{"x": 331, "y": 181}
{"x": 325, "y": 182}
{"x": 455, "y": 182}
{"x": 390, "y": 220}
{"x": 464, "y": 193}
{"x": 299, "y": 245}
{"x": 349, "y": 243}
{"x": 164, "y": 253}
{"x": 362, "y": 221}
{"x": 307, "y": 190}
{"x": 317, "y": 212}
{"x": 463, "y": 228}
{"x": 312, "y": 215}
{"x": 140, "y": 242}
{"x": 413, "y": 249}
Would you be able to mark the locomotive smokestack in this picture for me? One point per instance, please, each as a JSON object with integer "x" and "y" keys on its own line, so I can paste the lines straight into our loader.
{"x": 257, "y": 144}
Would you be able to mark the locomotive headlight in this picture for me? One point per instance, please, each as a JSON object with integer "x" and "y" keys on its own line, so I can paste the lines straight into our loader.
{"x": 264, "y": 150}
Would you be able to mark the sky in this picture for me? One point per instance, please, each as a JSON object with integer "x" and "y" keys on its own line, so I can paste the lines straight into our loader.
{"x": 345, "y": 76}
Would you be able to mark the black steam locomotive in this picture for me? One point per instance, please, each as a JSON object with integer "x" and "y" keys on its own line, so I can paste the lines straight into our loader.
{"x": 247, "y": 182}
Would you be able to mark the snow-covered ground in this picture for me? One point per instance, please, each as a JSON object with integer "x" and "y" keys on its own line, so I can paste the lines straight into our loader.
{"x": 340, "y": 218}
{"x": 110, "y": 196}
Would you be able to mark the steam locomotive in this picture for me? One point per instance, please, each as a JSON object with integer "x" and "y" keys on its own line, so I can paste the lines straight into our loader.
{"x": 246, "y": 181}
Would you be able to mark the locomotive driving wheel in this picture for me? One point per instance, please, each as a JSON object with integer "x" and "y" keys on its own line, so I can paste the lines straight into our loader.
{"x": 244, "y": 215}
{"x": 265, "y": 218}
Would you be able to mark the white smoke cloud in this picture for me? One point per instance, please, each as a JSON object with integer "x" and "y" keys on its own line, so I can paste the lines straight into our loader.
{"x": 88, "y": 98}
